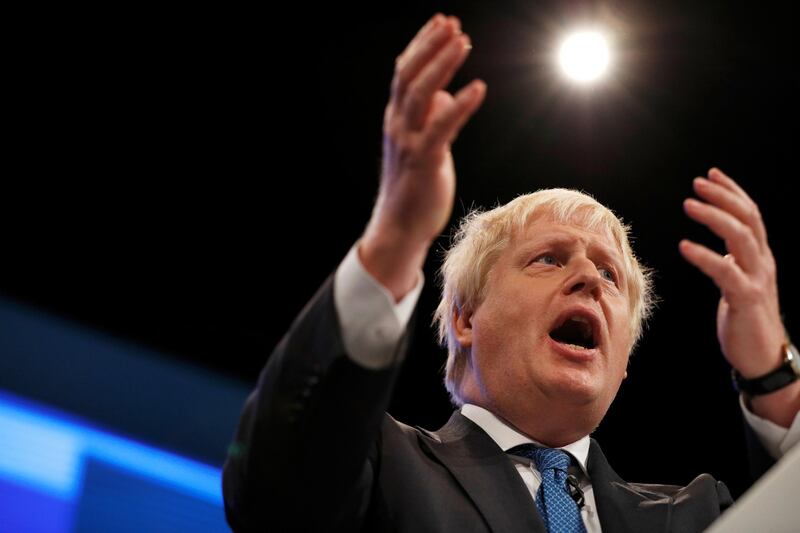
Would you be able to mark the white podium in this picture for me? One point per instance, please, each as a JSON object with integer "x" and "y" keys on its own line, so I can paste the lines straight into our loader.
{"x": 772, "y": 505}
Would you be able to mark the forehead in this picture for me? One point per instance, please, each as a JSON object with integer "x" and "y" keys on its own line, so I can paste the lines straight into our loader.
{"x": 545, "y": 228}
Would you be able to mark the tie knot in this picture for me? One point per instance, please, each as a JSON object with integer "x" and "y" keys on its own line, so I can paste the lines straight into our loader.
{"x": 543, "y": 458}
{"x": 554, "y": 499}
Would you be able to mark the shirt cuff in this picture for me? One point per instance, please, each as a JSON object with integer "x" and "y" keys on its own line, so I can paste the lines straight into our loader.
{"x": 776, "y": 440}
{"x": 372, "y": 324}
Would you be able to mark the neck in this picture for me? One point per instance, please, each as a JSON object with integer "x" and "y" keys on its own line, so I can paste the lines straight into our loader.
{"x": 552, "y": 425}
{"x": 552, "y": 431}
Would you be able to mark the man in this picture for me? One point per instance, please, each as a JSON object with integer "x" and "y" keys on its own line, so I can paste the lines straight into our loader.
{"x": 543, "y": 300}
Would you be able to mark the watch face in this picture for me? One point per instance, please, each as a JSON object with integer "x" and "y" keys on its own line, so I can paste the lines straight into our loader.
{"x": 794, "y": 358}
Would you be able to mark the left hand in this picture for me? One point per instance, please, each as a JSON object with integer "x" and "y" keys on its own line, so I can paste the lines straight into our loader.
{"x": 749, "y": 325}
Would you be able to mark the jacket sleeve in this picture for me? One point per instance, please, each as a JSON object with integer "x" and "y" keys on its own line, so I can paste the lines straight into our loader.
{"x": 304, "y": 452}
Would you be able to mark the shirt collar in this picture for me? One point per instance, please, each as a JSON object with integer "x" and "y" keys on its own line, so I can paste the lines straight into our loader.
{"x": 506, "y": 436}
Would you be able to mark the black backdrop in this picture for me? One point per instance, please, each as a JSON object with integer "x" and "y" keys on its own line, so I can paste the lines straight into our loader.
{"x": 186, "y": 178}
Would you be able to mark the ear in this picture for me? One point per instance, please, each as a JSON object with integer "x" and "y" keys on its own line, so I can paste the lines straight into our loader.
{"x": 462, "y": 327}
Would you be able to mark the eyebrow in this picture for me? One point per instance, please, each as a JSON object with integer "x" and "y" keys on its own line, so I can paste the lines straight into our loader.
{"x": 565, "y": 240}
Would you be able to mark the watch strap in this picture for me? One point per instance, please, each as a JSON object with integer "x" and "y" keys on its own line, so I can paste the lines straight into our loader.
{"x": 784, "y": 375}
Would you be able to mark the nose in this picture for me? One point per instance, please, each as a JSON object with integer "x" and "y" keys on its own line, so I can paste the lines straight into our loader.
{"x": 583, "y": 278}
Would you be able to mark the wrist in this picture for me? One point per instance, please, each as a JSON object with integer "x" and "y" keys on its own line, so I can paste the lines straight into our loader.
{"x": 784, "y": 372}
{"x": 780, "y": 407}
{"x": 774, "y": 395}
{"x": 392, "y": 258}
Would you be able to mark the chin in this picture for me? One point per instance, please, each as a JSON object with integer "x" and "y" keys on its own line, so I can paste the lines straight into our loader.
{"x": 576, "y": 390}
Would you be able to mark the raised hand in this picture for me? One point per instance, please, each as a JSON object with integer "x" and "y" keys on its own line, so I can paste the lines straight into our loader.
{"x": 749, "y": 325}
{"x": 417, "y": 186}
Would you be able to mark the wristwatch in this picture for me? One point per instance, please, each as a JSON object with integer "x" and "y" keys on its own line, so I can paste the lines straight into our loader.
{"x": 784, "y": 375}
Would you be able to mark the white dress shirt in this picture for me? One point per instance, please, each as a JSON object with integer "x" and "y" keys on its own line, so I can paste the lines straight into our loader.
{"x": 372, "y": 325}
{"x": 507, "y": 437}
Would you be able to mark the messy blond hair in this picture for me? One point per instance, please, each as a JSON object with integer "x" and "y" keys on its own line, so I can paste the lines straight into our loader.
{"x": 482, "y": 236}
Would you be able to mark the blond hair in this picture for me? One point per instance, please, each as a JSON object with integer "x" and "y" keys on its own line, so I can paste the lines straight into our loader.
{"x": 482, "y": 236}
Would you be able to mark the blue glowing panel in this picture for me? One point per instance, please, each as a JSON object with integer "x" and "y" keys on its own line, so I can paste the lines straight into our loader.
{"x": 114, "y": 499}
{"x": 28, "y": 510}
{"x": 59, "y": 474}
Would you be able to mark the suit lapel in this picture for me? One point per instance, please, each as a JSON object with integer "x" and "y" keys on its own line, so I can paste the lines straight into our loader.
{"x": 490, "y": 480}
{"x": 622, "y": 507}
{"x": 486, "y": 474}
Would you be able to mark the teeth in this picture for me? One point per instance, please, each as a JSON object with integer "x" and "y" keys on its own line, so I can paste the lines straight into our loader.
{"x": 575, "y": 346}
{"x": 579, "y": 318}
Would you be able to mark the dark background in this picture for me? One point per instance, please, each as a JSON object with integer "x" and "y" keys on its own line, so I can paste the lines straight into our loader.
{"x": 186, "y": 178}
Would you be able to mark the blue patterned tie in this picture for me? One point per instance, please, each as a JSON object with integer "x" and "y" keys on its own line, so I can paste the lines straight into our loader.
{"x": 558, "y": 510}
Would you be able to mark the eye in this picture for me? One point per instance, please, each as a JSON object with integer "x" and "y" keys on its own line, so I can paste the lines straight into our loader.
{"x": 547, "y": 259}
{"x": 607, "y": 273}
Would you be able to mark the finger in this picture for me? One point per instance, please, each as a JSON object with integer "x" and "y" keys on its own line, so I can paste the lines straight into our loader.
{"x": 446, "y": 125}
{"x": 727, "y": 200}
{"x": 726, "y": 181}
{"x": 437, "y": 24}
{"x": 434, "y": 77}
{"x": 435, "y": 21}
{"x": 756, "y": 221}
{"x": 421, "y": 50}
{"x": 739, "y": 238}
{"x": 725, "y": 273}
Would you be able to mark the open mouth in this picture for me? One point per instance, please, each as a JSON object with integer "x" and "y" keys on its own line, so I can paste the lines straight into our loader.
{"x": 576, "y": 331}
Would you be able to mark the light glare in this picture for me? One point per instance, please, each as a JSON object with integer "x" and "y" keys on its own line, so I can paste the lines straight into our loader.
{"x": 584, "y": 56}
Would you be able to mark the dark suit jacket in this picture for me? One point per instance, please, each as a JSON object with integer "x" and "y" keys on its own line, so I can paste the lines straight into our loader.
{"x": 315, "y": 451}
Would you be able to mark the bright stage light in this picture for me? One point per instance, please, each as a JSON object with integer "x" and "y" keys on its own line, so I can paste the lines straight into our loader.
{"x": 584, "y": 56}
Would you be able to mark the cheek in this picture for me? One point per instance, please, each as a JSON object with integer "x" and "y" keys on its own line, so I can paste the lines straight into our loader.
{"x": 492, "y": 343}
{"x": 504, "y": 344}
{"x": 500, "y": 328}
{"x": 620, "y": 336}
{"x": 507, "y": 328}
{"x": 620, "y": 326}
{"x": 621, "y": 353}
{"x": 487, "y": 337}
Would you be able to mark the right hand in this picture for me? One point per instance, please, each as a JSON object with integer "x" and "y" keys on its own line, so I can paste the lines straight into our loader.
{"x": 417, "y": 186}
